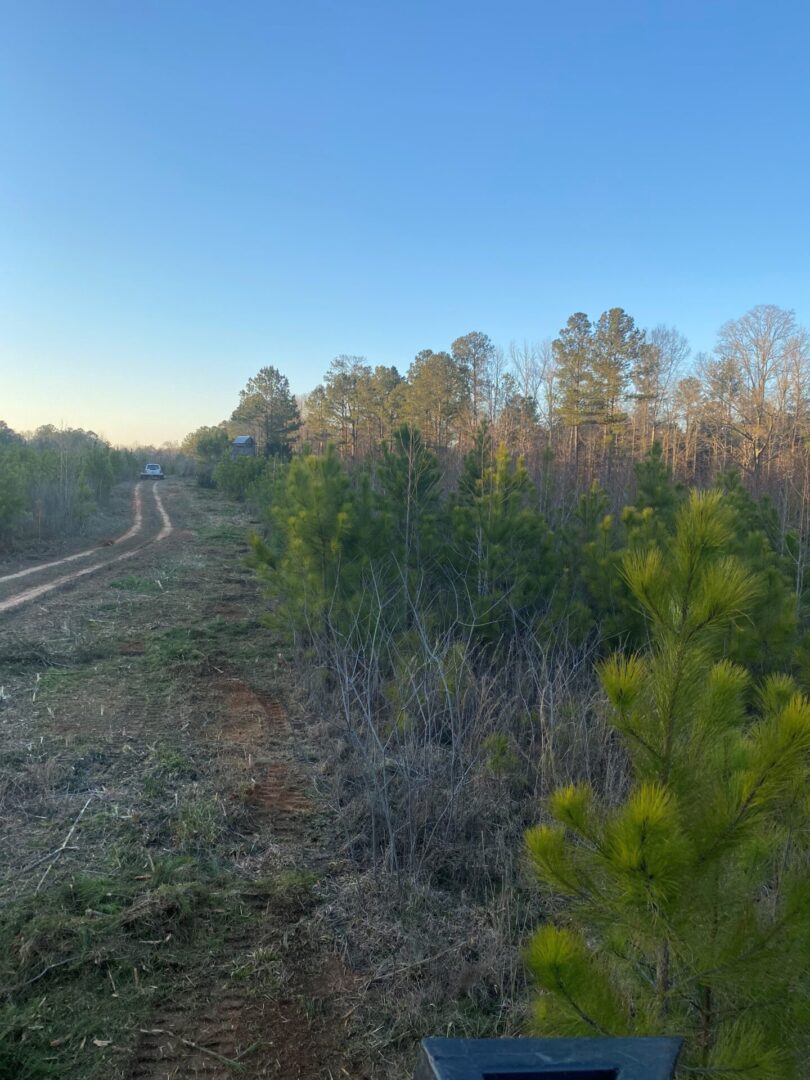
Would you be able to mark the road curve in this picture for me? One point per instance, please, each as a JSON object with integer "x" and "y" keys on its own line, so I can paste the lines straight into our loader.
{"x": 33, "y": 593}
{"x": 135, "y": 528}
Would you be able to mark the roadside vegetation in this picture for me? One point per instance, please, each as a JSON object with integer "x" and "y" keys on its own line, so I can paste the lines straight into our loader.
{"x": 54, "y": 481}
{"x": 566, "y": 598}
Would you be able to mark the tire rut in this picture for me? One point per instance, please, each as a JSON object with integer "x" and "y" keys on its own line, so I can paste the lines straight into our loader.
{"x": 269, "y": 1036}
{"x": 134, "y": 529}
{"x": 16, "y": 600}
{"x": 206, "y": 1039}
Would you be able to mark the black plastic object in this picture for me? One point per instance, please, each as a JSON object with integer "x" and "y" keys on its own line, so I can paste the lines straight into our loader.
{"x": 548, "y": 1059}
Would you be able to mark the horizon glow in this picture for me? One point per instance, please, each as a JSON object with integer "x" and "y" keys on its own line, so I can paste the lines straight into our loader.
{"x": 197, "y": 190}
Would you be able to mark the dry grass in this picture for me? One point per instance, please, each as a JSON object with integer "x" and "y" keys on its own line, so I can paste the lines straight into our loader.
{"x": 137, "y": 869}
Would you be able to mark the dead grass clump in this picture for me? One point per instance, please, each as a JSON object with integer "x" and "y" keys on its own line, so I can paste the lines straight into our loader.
{"x": 199, "y": 823}
{"x": 34, "y": 778}
{"x": 425, "y": 960}
{"x": 440, "y": 759}
{"x": 19, "y": 654}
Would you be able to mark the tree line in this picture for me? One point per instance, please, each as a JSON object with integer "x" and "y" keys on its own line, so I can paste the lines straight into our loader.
{"x": 579, "y": 411}
{"x": 53, "y": 480}
{"x": 594, "y": 399}
{"x": 586, "y": 404}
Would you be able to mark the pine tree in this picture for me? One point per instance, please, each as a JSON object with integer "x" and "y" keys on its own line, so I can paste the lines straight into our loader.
{"x": 500, "y": 542}
{"x": 573, "y": 355}
{"x": 316, "y": 424}
{"x": 379, "y": 397}
{"x": 617, "y": 348}
{"x": 652, "y": 516}
{"x": 268, "y": 408}
{"x": 8, "y": 437}
{"x": 591, "y": 593}
{"x": 474, "y": 354}
{"x": 320, "y": 543}
{"x": 433, "y": 398}
{"x": 686, "y": 908}
{"x": 765, "y": 643}
{"x": 409, "y": 478}
{"x": 343, "y": 402}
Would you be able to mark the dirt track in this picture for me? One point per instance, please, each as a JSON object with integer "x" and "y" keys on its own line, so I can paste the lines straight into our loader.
{"x": 131, "y": 541}
{"x": 175, "y": 932}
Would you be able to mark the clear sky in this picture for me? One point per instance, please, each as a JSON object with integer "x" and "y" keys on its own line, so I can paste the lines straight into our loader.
{"x": 191, "y": 189}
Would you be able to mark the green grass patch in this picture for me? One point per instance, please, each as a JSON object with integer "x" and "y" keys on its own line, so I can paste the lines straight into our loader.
{"x": 288, "y": 890}
{"x": 133, "y": 583}
{"x": 172, "y": 764}
{"x": 166, "y": 770}
{"x": 83, "y": 964}
{"x": 199, "y": 824}
{"x": 217, "y": 639}
{"x": 58, "y": 681}
{"x": 262, "y": 968}
{"x": 227, "y": 534}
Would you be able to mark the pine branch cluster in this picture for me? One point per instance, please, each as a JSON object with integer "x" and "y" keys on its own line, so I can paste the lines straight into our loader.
{"x": 687, "y": 906}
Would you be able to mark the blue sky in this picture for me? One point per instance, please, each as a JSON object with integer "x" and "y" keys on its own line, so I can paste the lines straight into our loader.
{"x": 192, "y": 189}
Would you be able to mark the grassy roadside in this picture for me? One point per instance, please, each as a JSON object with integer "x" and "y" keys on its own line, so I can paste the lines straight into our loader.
{"x": 108, "y": 520}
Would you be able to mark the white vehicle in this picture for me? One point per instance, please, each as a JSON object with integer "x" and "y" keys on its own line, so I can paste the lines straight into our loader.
{"x": 152, "y": 472}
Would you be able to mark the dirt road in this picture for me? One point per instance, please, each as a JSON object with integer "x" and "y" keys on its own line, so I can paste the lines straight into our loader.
{"x": 163, "y": 851}
{"x": 132, "y": 541}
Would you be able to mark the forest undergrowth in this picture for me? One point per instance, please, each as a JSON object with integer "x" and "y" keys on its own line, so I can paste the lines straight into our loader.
{"x": 452, "y": 643}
